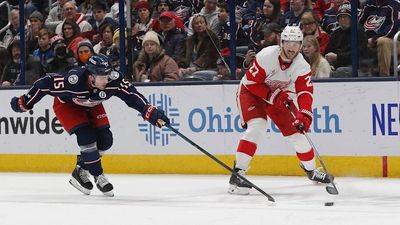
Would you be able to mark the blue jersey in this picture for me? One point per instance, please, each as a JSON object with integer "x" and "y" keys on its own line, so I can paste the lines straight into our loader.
{"x": 74, "y": 87}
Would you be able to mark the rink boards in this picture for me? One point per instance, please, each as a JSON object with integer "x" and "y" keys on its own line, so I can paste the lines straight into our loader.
{"x": 355, "y": 129}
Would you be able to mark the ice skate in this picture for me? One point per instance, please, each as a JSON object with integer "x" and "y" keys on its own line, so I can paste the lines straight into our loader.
{"x": 237, "y": 185}
{"x": 104, "y": 185}
{"x": 80, "y": 180}
{"x": 318, "y": 176}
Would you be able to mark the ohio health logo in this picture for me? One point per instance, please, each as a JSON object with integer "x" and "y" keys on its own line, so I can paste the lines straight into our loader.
{"x": 154, "y": 135}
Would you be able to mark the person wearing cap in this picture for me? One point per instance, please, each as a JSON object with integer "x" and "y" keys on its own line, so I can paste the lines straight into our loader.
{"x": 113, "y": 54}
{"x": 271, "y": 33}
{"x": 338, "y": 52}
{"x": 63, "y": 59}
{"x": 144, "y": 23}
{"x": 174, "y": 37}
{"x": 153, "y": 64}
{"x": 84, "y": 52}
{"x": 35, "y": 24}
{"x": 329, "y": 22}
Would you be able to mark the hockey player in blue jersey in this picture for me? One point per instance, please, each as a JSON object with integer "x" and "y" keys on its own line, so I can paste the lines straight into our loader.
{"x": 78, "y": 98}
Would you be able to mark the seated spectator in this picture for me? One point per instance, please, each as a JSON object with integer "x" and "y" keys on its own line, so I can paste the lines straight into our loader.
{"x": 86, "y": 8}
{"x": 99, "y": 18}
{"x": 224, "y": 33}
{"x": 36, "y": 23}
{"x": 201, "y": 49}
{"x": 106, "y": 39}
{"x": 152, "y": 64}
{"x": 64, "y": 59}
{"x": 223, "y": 71}
{"x": 184, "y": 9}
{"x": 380, "y": 20}
{"x": 310, "y": 26}
{"x": 13, "y": 31}
{"x": 69, "y": 11}
{"x": 271, "y": 36}
{"x": 71, "y": 34}
{"x": 4, "y": 59}
{"x": 84, "y": 51}
{"x": 114, "y": 55}
{"x": 161, "y": 6}
{"x": 144, "y": 24}
{"x": 55, "y": 16}
{"x": 329, "y": 21}
{"x": 293, "y": 16}
{"x": 210, "y": 13}
{"x": 114, "y": 10}
{"x": 320, "y": 68}
{"x": 338, "y": 52}
{"x": 271, "y": 14}
{"x": 174, "y": 37}
{"x": 12, "y": 68}
{"x": 321, "y": 6}
{"x": 44, "y": 53}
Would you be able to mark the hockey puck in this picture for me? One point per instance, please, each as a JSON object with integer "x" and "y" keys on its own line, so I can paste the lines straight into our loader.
{"x": 328, "y": 203}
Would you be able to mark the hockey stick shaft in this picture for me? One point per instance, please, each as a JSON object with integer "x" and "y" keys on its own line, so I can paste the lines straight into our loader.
{"x": 270, "y": 198}
{"x": 301, "y": 128}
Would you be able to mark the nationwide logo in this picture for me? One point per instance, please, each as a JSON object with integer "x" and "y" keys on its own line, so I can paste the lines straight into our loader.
{"x": 154, "y": 135}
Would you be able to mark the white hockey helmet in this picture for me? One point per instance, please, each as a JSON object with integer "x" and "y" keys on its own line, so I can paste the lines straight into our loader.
{"x": 291, "y": 33}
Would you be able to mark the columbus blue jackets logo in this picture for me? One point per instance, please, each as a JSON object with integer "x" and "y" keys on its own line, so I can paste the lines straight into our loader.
{"x": 73, "y": 79}
{"x": 154, "y": 135}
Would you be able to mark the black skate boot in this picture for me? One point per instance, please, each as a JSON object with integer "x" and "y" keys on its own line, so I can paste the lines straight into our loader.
{"x": 80, "y": 180}
{"x": 318, "y": 176}
{"x": 237, "y": 185}
{"x": 104, "y": 186}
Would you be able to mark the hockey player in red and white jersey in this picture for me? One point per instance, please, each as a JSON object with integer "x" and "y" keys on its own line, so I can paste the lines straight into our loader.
{"x": 277, "y": 76}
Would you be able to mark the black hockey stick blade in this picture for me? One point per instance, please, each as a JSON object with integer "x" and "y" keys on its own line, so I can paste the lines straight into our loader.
{"x": 270, "y": 198}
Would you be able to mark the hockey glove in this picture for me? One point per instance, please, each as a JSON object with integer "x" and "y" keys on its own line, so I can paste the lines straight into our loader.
{"x": 279, "y": 99}
{"x": 18, "y": 104}
{"x": 155, "y": 116}
{"x": 303, "y": 120}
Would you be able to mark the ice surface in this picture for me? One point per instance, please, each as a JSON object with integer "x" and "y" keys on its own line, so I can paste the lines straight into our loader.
{"x": 44, "y": 199}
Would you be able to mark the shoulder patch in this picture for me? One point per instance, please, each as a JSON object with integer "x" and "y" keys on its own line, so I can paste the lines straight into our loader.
{"x": 73, "y": 79}
{"x": 114, "y": 75}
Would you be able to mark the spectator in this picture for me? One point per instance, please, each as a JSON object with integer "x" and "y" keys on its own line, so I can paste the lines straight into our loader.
{"x": 4, "y": 59}
{"x": 12, "y": 68}
{"x": 161, "y": 6}
{"x": 184, "y": 9}
{"x": 13, "y": 30}
{"x": 106, "y": 39}
{"x": 223, "y": 72}
{"x": 114, "y": 10}
{"x": 320, "y": 68}
{"x": 380, "y": 19}
{"x": 321, "y": 6}
{"x": 143, "y": 25}
{"x": 84, "y": 51}
{"x": 329, "y": 21}
{"x": 224, "y": 33}
{"x": 174, "y": 37}
{"x": 71, "y": 34}
{"x": 310, "y": 26}
{"x": 99, "y": 18}
{"x": 293, "y": 16}
{"x": 36, "y": 23}
{"x": 114, "y": 53}
{"x": 152, "y": 64}
{"x": 271, "y": 36}
{"x": 201, "y": 49}
{"x": 64, "y": 59}
{"x": 210, "y": 12}
{"x": 86, "y": 8}
{"x": 70, "y": 13}
{"x": 44, "y": 53}
{"x": 339, "y": 48}
{"x": 55, "y": 15}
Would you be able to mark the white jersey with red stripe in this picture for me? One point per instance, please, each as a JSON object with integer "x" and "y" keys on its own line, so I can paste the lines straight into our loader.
{"x": 268, "y": 72}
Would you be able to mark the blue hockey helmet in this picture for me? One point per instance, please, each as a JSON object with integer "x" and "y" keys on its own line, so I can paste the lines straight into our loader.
{"x": 98, "y": 65}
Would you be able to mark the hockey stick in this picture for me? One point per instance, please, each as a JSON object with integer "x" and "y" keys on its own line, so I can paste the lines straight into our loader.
{"x": 270, "y": 198}
{"x": 330, "y": 189}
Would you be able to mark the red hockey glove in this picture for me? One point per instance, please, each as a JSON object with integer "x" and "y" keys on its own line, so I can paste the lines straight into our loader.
{"x": 155, "y": 116}
{"x": 279, "y": 99}
{"x": 18, "y": 104}
{"x": 303, "y": 120}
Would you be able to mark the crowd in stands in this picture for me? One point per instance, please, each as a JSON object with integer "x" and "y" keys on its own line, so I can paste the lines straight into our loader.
{"x": 173, "y": 40}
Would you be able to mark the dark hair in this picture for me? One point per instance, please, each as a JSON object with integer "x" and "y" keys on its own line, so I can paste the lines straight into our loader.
{"x": 74, "y": 25}
{"x": 104, "y": 26}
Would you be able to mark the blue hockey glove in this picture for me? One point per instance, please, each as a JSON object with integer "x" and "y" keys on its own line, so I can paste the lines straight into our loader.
{"x": 155, "y": 116}
{"x": 18, "y": 104}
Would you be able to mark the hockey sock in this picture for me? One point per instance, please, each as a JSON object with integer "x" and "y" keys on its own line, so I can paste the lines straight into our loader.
{"x": 91, "y": 159}
{"x": 79, "y": 162}
{"x": 307, "y": 159}
{"x": 245, "y": 153}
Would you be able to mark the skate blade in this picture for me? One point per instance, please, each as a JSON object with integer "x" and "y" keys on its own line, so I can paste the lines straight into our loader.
{"x": 76, "y": 185}
{"x": 235, "y": 190}
{"x": 109, "y": 193}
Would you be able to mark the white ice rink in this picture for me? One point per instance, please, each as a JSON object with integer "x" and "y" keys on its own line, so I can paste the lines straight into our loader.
{"x": 44, "y": 199}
